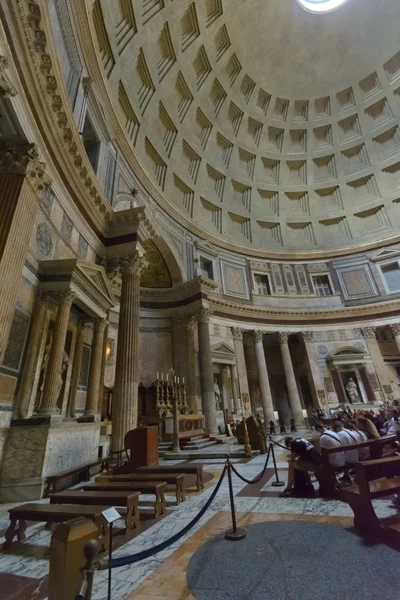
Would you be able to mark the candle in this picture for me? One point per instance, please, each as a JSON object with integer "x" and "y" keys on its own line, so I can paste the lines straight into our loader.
{"x": 162, "y": 376}
{"x": 167, "y": 376}
{"x": 183, "y": 380}
{"x": 178, "y": 378}
{"x": 157, "y": 375}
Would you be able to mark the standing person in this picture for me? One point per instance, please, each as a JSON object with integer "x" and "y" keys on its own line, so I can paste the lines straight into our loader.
{"x": 330, "y": 439}
{"x": 303, "y": 458}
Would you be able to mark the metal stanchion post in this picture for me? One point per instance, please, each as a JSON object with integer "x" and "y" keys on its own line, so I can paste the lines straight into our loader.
{"x": 276, "y": 483}
{"x": 233, "y": 534}
{"x": 109, "y": 562}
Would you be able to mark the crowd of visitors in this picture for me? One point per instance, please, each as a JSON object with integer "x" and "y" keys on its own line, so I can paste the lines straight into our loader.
{"x": 343, "y": 428}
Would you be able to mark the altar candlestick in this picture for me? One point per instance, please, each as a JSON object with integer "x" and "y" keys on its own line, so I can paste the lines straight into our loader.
{"x": 157, "y": 375}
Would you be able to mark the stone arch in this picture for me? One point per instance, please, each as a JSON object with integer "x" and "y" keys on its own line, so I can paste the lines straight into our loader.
{"x": 170, "y": 253}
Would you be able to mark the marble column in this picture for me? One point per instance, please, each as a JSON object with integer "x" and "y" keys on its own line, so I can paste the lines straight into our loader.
{"x": 53, "y": 380}
{"x": 316, "y": 381}
{"x": 241, "y": 366}
{"x": 125, "y": 399}
{"x": 293, "y": 392}
{"x": 227, "y": 389}
{"x": 191, "y": 365}
{"x": 395, "y": 331}
{"x": 266, "y": 397}
{"x": 76, "y": 370}
{"x": 92, "y": 397}
{"x": 103, "y": 366}
{"x": 382, "y": 372}
{"x": 22, "y": 176}
{"x": 28, "y": 373}
{"x": 235, "y": 389}
{"x": 206, "y": 373}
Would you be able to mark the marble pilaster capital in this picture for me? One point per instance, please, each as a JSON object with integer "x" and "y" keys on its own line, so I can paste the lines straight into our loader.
{"x": 369, "y": 332}
{"x": 6, "y": 88}
{"x": 395, "y": 329}
{"x": 66, "y": 297}
{"x": 101, "y": 324}
{"x": 258, "y": 335}
{"x": 204, "y": 314}
{"x": 23, "y": 159}
{"x": 42, "y": 299}
{"x": 237, "y": 333}
{"x": 133, "y": 264}
{"x": 283, "y": 337}
{"x": 307, "y": 336}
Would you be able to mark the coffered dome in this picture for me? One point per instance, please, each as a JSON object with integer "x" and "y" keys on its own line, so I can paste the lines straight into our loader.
{"x": 261, "y": 124}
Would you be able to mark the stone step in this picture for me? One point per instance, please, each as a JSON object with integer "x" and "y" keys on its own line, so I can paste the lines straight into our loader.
{"x": 200, "y": 445}
{"x": 187, "y": 455}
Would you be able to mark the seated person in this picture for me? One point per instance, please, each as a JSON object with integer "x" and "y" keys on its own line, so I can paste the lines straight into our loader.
{"x": 367, "y": 426}
{"x": 394, "y": 422}
{"x": 330, "y": 439}
{"x": 303, "y": 457}
{"x": 363, "y": 453}
{"x": 347, "y": 438}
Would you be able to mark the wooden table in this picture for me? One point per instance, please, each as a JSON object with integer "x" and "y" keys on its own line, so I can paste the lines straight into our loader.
{"x": 53, "y": 513}
{"x": 127, "y": 499}
{"x": 145, "y": 487}
{"x": 176, "y": 479}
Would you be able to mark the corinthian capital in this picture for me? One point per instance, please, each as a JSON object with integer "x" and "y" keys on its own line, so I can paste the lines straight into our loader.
{"x": 307, "y": 336}
{"x": 258, "y": 335}
{"x": 66, "y": 297}
{"x": 237, "y": 333}
{"x": 23, "y": 159}
{"x": 395, "y": 329}
{"x": 369, "y": 332}
{"x": 204, "y": 314}
{"x": 6, "y": 88}
{"x": 133, "y": 264}
{"x": 283, "y": 337}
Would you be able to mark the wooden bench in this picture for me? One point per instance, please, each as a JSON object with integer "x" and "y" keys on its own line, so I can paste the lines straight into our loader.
{"x": 82, "y": 471}
{"x": 176, "y": 479}
{"x": 186, "y": 469}
{"x": 374, "y": 479}
{"x": 145, "y": 487}
{"x": 329, "y": 487}
{"x": 53, "y": 513}
{"x": 127, "y": 499}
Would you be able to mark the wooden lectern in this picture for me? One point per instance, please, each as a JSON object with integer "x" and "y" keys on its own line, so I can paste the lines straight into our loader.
{"x": 142, "y": 446}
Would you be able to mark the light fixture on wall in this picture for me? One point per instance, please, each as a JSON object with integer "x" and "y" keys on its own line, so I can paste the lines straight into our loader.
{"x": 320, "y": 6}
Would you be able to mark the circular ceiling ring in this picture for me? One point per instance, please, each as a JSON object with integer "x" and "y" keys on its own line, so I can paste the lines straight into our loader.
{"x": 320, "y": 6}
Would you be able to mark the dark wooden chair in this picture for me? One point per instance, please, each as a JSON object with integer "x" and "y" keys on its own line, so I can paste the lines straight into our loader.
{"x": 374, "y": 479}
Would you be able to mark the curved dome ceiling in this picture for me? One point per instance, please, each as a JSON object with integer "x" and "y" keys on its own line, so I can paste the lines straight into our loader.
{"x": 265, "y": 124}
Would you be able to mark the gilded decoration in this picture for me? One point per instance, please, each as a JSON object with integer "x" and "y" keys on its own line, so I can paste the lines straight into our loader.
{"x": 156, "y": 274}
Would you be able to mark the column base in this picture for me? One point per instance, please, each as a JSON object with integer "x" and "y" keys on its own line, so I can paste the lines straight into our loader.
{"x": 48, "y": 411}
{"x": 89, "y": 419}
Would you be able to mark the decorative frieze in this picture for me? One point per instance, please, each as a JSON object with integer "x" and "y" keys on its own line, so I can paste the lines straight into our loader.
{"x": 23, "y": 159}
{"x": 6, "y": 88}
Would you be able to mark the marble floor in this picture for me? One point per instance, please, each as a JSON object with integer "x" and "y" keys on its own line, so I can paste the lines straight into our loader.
{"x": 24, "y": 567}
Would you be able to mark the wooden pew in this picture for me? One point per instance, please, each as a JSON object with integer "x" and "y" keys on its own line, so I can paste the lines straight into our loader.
{"x": 176, "y": 479}
{"x": 53, "y": 513}
{"x": 328, "y": 486}
{"x": 82, "y": 471}
{"x": 145, "y": 487}
{"x": 127, "y": 499}
{"x": 186, "y": 469}
{"x": 374, "y": 479}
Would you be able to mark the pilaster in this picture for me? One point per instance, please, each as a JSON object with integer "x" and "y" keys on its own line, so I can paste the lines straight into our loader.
{"x": 206, "y": 375}
{"x": 266, "y": 396}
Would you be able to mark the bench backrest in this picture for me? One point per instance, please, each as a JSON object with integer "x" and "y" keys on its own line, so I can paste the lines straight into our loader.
{"x": 375, "y": 445}
{"x": 368, "y": 470}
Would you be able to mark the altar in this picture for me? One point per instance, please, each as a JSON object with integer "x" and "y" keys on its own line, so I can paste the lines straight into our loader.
{"x": 189, "y": 426}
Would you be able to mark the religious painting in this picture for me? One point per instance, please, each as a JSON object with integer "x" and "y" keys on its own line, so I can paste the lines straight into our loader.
{"x": 16, "y": 341}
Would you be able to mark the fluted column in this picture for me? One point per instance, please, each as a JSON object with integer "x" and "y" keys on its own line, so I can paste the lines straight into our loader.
{"x": 266, "y": 397}
{"x": 294, "y": 397}
{"x": 191, "y": 364}
{"x": 28, "y": 373}
{"x": 227, "y": 388}
{"x": 206, "y": 374}
{"x": 21, "y": 177}
{"x": 241, "y": 367}
{"x": 382, "y": 372}
{"x": 76, "y": 370}
{"x": 53, "y": 380}
{"x": 92, "y": 397}
{"x": 316, "y": 381}
{"x": 125, "y": 400}
{"x": 235, "y": 389}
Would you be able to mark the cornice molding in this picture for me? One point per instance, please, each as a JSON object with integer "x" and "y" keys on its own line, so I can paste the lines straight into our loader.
{"x": 29, "y": 36}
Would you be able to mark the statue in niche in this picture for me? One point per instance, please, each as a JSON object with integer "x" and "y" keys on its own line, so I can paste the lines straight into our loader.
{"x": 218, "y": 395}
{"x": 352, "y": 391}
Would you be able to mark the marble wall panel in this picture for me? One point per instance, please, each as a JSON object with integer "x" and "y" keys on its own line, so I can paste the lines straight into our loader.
{"x": 234, "y": 280}
{"x": 155, "y": 354}
{"x": 7, "y": 388}
{"x": 70, "y": 445}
